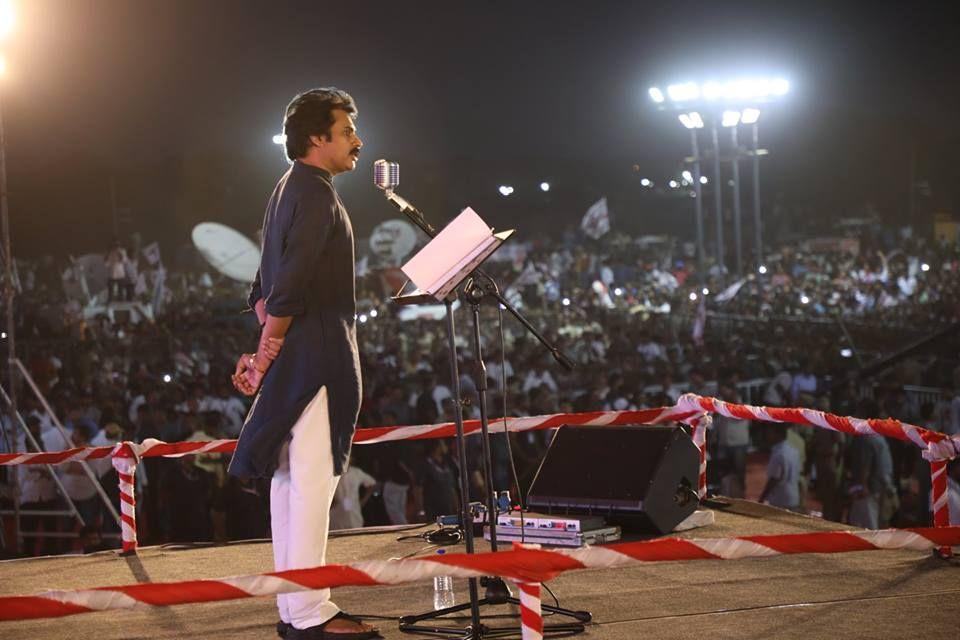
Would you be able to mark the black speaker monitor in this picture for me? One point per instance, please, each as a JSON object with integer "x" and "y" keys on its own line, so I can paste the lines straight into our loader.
{"x": 643, "y": 478}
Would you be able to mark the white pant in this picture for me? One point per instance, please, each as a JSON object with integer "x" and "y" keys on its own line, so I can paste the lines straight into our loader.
{"x": 300, "y": 495}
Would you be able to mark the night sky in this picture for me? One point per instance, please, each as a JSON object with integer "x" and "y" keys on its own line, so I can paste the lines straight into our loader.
{"x": 176, "y": 103}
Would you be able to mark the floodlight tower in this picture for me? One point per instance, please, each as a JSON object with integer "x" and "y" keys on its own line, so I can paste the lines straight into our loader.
{"x": 751, "y": 116}
{"x": 730, "y": 120}
{"x": 693, "y": 121}
{"x": 712, "y": 99}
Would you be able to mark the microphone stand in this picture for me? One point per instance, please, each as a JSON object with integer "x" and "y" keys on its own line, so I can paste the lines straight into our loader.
{"x": 478, "y": 286}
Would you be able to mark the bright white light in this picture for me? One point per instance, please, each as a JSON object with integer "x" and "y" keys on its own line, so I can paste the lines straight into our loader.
{"x": 566, "y": 302}
{"x": 544, "y": 186}
{"x": 730, "y": 118}
{"x": 655, "y": 94}
{"x": 697, "y": 120}
{"x": 712, "y": 90}
{"x": 280, "y": 138}
{"x": 762, "y": 270}
{"x": 804, "y": 299}
{"x": 750, "y": 115}
{"x": 846, "y": 353}
{"x": 646, "y": 182}
{"x": 167, "y": 377}
{"x": 693, "y": 296}
{"x": 705, "y": 291}
{"x": 362, "y": 318}
{"x": 685, "y": 183}
{"x": 673, "y": 184}
{"x": 618, "y": 291}
{"x": 686, "y": 92}
{"x": 685, "y": 120}
{"x": 505, "y": 190}
{"x": 779, "y": 87}
{"x": 703, "y": 180}
{"x": 8, "y": 18}
{"x": 687, "y": 176}
{"x": 923, "y": 267}
{"x": 692, "y": 120}
{"x": 3, "y": 335}
{"x": 373, "y": 313}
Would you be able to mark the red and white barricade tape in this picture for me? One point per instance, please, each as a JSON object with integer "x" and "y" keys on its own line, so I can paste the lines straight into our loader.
{"x": 691, "y": 409}
{"x": 522, "y": 565}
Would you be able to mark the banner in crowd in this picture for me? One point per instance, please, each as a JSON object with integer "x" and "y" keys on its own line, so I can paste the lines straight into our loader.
{"x": 596, "y": 221}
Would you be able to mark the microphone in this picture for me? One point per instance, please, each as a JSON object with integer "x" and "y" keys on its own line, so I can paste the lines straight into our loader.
{"x": 386, "y": 174}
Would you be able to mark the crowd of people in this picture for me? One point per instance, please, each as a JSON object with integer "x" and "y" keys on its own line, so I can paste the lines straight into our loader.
{"x": 639, "y": 321}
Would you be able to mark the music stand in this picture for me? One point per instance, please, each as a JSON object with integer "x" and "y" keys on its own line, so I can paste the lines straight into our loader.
{"x": 439, "y": 268}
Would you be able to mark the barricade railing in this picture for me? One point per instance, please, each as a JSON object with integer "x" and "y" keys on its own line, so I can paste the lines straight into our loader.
{"x": 693, "y": 410}
{"x": 528, "y": 566}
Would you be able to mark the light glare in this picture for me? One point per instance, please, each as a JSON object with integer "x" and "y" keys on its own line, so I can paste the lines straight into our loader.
{"x": 544, "y": 186}
{"x": 655, "y": 94}
{"x": 924, "y": 267}
{"x": 505, "y": 190}
{"x": 673, "y": 184}
{"x": 703, "y": 180}
{"x": 686, "y": 175}
{"x": 686, "y": 92}
{"x": 730, "y": 118}
{"x": 750, "y": 115}
{"x": 646, "y": 182}
{"x": 8, "y": 18}
{"x": 280, "y": 138}
{"x": 693, "y": 296}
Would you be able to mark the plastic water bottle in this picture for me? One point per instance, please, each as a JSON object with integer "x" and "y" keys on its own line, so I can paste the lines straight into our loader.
{"x": 443, "y": 590}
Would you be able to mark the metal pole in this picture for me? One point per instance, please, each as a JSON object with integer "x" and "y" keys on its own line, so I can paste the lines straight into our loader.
{"x": 758, "y": 230}
{"x": 698, "y": 206}
{"x": 737, "y": 239}
{"x": 8, "y": 295}
{"x": 718, "y": 198}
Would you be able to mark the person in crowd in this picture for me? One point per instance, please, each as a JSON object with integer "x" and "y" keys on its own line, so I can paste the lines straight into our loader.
{"x": 346, "y": 512}
{"x": 783, "y": 471}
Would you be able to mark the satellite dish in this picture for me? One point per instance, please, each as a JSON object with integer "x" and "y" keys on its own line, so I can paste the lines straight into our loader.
{"x": 227, "y": 250}
{"x": 393, "y": 240}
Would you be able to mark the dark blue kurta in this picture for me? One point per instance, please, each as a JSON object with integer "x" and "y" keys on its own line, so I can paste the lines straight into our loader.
{"x": 306, "y": 271}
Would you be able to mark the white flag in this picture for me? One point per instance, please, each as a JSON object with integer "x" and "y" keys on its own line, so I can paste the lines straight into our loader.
{"x": 596, "y": 221}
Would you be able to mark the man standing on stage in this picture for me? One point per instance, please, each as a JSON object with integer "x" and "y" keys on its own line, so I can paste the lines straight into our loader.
{"x": 307, "y": 366}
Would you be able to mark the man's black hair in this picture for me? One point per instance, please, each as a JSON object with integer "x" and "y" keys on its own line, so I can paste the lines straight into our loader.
{"x": 311, "y": 114}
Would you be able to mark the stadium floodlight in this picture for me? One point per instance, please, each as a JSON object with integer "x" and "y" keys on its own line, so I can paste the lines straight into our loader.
{"x": 673, "y": 184}
{"x": 544, "y": 186}
{"x": 692, "y": 120}
{"x": 505, "y": 190}
{"x": 693, "y": 296}
{"x": 712, "y": 90}
{"x": 565, "y": 302}
{"x": 655, "y": 94}
{"x": 924, "y": 267}
{"x": 703, "y": 180}
{"x": 780, "y": 87}
{"x": 730, "y": 118}
{"x": 762, "y": 269}
{"x": 646, "y": 182}
{"x": 686, "y": 92}
{"x": 687, "y": 176}
{"x": 750, "y": 115}
{"x": 280, "y": 138}
{"x": 705, "y": 291}
{"x": 804, "y": 299}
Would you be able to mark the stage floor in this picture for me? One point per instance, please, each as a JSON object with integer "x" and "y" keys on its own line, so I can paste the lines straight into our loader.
{"x": 878, "y": 594}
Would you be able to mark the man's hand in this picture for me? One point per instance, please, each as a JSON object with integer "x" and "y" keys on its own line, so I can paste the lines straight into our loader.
{"x": 242, "y": 380}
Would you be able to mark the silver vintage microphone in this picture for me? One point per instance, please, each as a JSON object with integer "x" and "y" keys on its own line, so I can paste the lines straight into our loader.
{"x": 386, "y": 176}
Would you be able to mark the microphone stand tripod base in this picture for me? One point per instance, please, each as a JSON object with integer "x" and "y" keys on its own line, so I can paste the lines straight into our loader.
{"x": 496, "y": 592}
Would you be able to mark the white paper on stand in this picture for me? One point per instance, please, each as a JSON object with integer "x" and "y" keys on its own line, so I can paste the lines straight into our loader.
{"x": 462, "y": 245}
